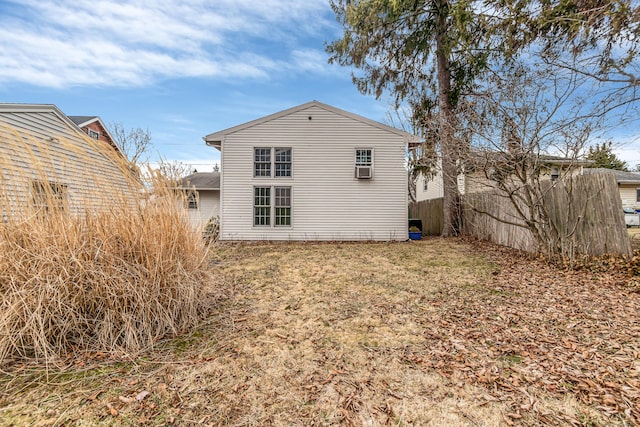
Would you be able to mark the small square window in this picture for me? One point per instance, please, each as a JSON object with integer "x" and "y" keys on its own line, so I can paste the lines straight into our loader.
{"x": 47, "y": 196}
{"x": 93, "y": 134}
{"x": 364, "y": 157}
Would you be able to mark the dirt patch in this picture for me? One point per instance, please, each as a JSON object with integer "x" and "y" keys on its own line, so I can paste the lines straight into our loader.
{"x": 437, "y": 332}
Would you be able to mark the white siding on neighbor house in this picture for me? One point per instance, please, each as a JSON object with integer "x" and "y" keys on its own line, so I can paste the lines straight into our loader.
{"x": 39, "y": 144}
{"x": 328, "y": 202}
{"x": 435, "y": 185}
{"x": 208, "y": 206}
{"x": 433, "y": 190}
{"x": 628, "y": 194}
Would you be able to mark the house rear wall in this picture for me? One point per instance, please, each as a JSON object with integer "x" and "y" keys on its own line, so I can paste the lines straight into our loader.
{"x": 328, "y": 202}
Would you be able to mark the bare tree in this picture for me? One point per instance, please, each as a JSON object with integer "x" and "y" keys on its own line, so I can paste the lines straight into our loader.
{"x": 134, "y": 143}
{"x": 529, "y": 127}
{"x": 174, "y": 170}
{"x": 422, "y": 157}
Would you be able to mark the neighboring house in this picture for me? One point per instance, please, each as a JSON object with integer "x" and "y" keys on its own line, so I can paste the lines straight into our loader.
{"x": 628, "y": 185}
{"x": 312, "y": 172}
{"x": 552, "y": 167}
{"x": 432, "y": 187}
{"x": 203, "y": 197}
{"x": 44, "y": 154}
{"x": 93, "y": 126}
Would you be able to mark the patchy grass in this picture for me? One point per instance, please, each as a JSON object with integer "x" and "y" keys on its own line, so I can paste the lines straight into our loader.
{"x": 437, "y": 332}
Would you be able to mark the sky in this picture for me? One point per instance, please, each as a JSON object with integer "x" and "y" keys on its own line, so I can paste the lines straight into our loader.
{"x": 182, "y": 70}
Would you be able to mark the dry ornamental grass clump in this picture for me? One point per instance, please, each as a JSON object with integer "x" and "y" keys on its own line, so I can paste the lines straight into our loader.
{"x": 95, "y": 265}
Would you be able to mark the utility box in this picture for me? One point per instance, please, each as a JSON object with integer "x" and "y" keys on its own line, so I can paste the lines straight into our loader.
{"x": 631, "y": 218}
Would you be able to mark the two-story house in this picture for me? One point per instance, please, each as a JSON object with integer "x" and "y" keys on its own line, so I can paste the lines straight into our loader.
{"x": 312, "y": 172}
{"x": 45, "y": 157}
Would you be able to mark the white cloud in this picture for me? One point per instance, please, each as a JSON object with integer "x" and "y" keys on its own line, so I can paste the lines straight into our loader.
{"x": 111, "y": 43}
{"x": 627, "y": 148}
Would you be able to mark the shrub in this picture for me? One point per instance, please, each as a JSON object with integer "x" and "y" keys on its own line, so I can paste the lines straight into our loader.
{"x": 115, "y": 278}
{"x": 212, "y": 230}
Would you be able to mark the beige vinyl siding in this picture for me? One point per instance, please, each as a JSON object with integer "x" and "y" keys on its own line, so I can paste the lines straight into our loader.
{"x": 208, "y": 206}
{"x": 328, "y": 202}
{"x": 65, "y": 156}
{"x": 628, "y": 195}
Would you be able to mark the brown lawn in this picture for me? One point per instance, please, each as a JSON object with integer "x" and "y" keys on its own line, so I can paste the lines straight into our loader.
{"x": 634, "y": 234}
{"x": 438, "y": 332}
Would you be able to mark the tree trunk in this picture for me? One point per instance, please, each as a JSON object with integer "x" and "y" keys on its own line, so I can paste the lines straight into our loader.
{"x": 447, "y": 140}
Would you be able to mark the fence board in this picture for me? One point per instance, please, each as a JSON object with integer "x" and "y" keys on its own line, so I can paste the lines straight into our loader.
{"x": 431, "y": 214}
{"x": 587, "y": 211}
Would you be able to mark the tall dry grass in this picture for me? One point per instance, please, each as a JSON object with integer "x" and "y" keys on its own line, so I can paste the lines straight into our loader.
{"x": 92, "y": 263}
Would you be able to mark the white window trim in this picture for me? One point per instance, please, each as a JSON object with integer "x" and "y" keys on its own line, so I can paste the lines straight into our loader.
{"x": 274, "y": 162}
{"x": 372, "y": 165}
{"x": 272, "y": 159}
{"x": 272, "y": 207}
{"x": 253, "y": 155}
{"x": 290, "y": 206}
{"x": 253, "y": 207}
{"x": 90, "y": 132}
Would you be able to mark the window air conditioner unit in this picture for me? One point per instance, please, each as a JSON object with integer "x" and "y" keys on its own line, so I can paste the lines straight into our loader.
{"x": 363, "y": 172}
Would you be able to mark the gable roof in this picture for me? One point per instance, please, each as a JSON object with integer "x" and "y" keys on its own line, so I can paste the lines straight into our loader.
{"x": 16, "y": 108}
{"x": 83, "y": 121}
{"x": 621, "y": 176}
{"x": 39, "y": 108}
{"x": 217, "y": 137}
{"x": 202, "y": 181}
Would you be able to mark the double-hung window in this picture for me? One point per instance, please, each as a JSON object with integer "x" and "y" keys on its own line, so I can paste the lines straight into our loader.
{"x": 271, "y": 202}
{"x": 262, "y": 162}
{"x": 283, "y": 162}
{"x": 262, "y": 206}
{"x": 267, "y": 159}
{"x": 283, "y": 206}
{"x": 364, "y": 163}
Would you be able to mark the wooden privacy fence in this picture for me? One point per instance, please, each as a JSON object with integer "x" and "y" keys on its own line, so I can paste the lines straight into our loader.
{"x": 431, "y": 214}
{"x": 586, "y": 210}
